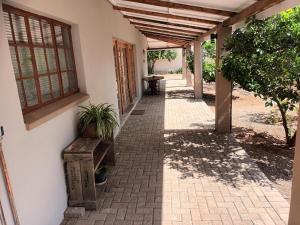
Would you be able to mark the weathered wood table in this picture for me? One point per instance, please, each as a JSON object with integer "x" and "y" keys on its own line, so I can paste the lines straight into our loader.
{"x": 153, "y": 82}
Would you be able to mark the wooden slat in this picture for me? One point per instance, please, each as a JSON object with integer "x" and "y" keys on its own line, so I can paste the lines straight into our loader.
{"x": 167, "y": 35}
{"x": 82, "y": 145}
{"x": 164, "y": 15}
{"x": 174, "y": 5}
{"x": 166, "y": 31}
{"x": 74, "y": 181}
{"x": 164, "y": 27}
{"x": 88, "y": 180}
{"x": 167, "y": 23}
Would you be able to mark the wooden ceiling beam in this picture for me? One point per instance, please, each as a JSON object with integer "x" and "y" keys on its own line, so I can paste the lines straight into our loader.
{"x": 166, "y": 39}
{"x": 163, "y": 48}
{"x": 174, "y": 5}
{"x": 174, "y": 37}
{"x": 251, "y": 10}
{"x": 164, "y": 15}
{"x": 164, "y": 27}
{"x": 166, "y": 23}
{"x": 165, "y": 31}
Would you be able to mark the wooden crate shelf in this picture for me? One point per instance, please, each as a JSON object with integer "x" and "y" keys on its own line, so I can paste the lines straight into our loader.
{"x": 82, "y": 158}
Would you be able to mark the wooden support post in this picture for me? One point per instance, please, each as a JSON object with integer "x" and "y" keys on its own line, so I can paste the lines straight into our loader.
{"x": 184, "y": 64}
{"x": 189, "y": 81}
{"x": 223, "y": 86}
{"x": 198, "y": 76}
{"x": 294, "y": 217}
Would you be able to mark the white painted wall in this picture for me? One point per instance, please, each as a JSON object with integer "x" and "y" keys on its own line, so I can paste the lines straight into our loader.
{"x": 164, "y": 66}
{"x": 34, "y": 157}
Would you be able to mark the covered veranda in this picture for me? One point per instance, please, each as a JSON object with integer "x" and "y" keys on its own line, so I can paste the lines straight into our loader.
{"x": 173, "y": 168}
{"x": 184, "y": 24}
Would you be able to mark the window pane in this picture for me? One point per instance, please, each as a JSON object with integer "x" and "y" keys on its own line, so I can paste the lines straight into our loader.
{"x": 55, "y": 86}
{"x": 40, "y": 60}
{"x": 47, "y": 33}
{"x": 66, "y": 83}
{"x": 69, "y": 81}
{"x": 51, "y": 60}
{"x": 14, "y": 60}
{"x": 21, "y": 96}
{"x": 58, "y": 35}
{"x": 25, "y": 61}
{"x": 30, "y": 92}
{"x": 35, "y": 30}
{"x": 45, "y": 88}
{"x": 7, "y": 27}
{"x": 62, "y": 59}
{"x": 72, "y": 80}
{"x": 66, "y": 37}
{"x": 19, "y": 28}
{"x": 69, "y": 59}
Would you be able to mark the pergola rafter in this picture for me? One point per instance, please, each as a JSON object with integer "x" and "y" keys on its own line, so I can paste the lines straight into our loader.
{"x": 164, "y": 27}
{"x": 165, "y": 15}
{"x": 167, "y": 23}
{"x": 174, "y": 5}
{"x": 251, "y": 10}
{"x": 159, "y": 17}
{"x": 166, "y": 31}
{"x": 166, "y": 39}
{"x": 166, "y": 35}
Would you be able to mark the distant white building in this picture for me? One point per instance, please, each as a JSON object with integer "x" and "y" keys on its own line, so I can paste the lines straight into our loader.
{"x": 164, "y": 66}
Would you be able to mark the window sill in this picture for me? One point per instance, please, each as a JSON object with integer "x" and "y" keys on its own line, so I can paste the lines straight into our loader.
{"x": 46, "y": 113}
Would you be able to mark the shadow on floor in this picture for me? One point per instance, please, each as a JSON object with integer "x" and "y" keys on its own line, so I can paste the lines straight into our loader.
{"x": 272, "y": 156}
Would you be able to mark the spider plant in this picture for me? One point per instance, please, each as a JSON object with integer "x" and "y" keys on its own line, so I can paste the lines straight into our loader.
{"x": 101, "y": 118}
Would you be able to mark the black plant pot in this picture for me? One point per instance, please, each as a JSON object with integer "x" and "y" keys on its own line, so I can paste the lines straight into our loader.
{"x": 100, "y": 176}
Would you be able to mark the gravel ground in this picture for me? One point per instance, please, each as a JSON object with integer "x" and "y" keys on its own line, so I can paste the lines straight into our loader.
{"x": 263, "y": 142}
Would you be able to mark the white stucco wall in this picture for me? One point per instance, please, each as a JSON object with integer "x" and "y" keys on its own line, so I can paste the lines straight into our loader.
{"x": 164, "y": 66}
{"x": 34, "y": 157}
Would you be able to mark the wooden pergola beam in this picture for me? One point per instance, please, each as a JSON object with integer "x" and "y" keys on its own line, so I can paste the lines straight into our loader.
{"x": 174, "y": 37}
{"x": 251, "y": 10}
{"x": 174, "y": 5}
{"x": 166, "y": 39}
{"x": 164, "y": 15}
{"x": 167, "y": 34}
{"x": 164, "y": 27}
{"x": 166, "y": 23}
{"x": 163, "y": 48}
{"x": 166, "y": 31}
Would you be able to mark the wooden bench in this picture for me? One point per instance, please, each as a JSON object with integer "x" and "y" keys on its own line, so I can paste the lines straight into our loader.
{"x": 82, "y": 158}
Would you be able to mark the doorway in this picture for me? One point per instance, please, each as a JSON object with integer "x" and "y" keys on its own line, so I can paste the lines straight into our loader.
{"x": 125, "y": 74}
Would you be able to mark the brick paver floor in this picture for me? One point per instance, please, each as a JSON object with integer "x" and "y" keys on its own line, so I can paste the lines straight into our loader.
{"x": 172, "y": 168}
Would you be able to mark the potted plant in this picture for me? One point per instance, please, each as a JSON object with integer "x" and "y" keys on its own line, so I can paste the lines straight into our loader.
{"x": 97, "y": 121}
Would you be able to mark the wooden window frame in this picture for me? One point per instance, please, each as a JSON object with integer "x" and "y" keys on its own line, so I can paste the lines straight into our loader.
{"x": 12, "y": 10}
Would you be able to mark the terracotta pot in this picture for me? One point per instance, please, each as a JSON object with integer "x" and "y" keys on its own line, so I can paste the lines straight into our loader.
{"x": 90, "y": 131}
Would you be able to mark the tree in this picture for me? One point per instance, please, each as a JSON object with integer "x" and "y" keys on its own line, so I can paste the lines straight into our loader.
{"x": 209, "y": 61}
{"x": 153, "y": 56}
{"x": 264, "y": 57}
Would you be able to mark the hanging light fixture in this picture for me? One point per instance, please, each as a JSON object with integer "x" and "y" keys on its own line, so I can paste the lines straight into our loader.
{"x": 213, "y": 37}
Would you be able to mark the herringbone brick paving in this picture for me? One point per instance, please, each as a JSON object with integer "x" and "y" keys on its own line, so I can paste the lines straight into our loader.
{"x": 172, "y": 168}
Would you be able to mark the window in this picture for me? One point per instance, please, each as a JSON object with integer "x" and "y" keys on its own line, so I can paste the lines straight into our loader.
{"x": 42, "y": 57}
